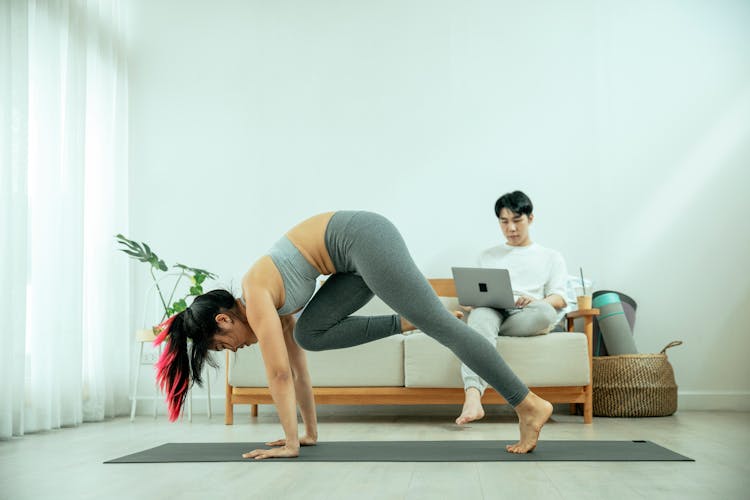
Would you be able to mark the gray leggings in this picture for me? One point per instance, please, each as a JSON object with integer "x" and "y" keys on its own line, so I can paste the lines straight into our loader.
{"x": 370, "y": 257}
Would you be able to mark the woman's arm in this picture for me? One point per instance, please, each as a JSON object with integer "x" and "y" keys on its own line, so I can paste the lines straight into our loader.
{"x": 265, "y": 322}
{"x": 302, "y": 382}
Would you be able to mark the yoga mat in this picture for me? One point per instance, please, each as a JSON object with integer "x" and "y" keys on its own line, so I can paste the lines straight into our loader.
{"x": 413, "y": 451}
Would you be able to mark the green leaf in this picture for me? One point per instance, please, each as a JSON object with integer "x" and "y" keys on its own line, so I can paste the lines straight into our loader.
{"x": 196, "y": 290}
{"x": 196, "y": 271}
{"x": 180, "y": 305}
{"x": 131, "y": 245}
{"x": 132, "y": 254}
{"x": 123, "y": 240}
{"x": 133, "y": 251}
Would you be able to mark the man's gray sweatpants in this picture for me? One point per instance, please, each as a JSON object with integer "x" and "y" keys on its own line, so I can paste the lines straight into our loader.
{"x": 536, "y": 318}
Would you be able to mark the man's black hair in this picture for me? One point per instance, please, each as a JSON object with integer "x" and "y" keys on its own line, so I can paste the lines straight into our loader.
{"x": 517, "y": 202}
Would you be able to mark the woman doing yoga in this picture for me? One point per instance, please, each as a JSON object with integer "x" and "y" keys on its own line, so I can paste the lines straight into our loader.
{"x": 365, "y": 255}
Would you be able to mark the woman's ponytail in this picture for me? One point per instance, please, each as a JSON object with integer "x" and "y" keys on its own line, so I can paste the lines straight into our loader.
{"x": 173, "y": 367}
{"x": 180, "y": 360}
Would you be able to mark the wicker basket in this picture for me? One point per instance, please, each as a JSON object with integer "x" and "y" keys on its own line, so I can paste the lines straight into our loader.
{"x": 634, "y": 385}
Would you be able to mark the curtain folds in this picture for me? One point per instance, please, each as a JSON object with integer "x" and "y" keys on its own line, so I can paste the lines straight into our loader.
{"x": 63, "y": 182}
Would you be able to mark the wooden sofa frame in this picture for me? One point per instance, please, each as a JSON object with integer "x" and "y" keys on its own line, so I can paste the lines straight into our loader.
{"x": 574, "y": 395}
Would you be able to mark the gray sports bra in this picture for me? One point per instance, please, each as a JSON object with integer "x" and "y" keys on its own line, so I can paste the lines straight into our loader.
{"x": 299, "y": 276}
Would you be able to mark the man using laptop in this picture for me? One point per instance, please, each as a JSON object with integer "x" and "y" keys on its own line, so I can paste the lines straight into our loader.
{"x": 537, "y": 275}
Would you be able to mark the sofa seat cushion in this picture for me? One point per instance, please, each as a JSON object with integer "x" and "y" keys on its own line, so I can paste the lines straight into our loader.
{"x": 376, "y": 364}
{"x": 552, "y": 360}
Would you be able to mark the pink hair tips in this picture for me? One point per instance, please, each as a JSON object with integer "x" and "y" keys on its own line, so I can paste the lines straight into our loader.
{"x": 174, "y": 388}
{"x": 164, "y": 329}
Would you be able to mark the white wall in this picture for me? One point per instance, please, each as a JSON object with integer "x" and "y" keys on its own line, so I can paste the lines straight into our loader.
{"x": 626, "y": 122}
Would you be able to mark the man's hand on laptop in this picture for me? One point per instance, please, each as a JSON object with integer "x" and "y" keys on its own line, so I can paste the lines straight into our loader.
{"x": 524, "y": 300}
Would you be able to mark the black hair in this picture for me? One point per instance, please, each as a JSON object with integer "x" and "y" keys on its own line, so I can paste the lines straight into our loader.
{"x": 180, "y": 362}
{"x": 517, "y": 202}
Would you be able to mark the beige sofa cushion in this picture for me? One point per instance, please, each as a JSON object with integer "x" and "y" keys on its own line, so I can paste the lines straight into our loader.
{"x": 379, "y": 363}
{"x": 552, "y": 360}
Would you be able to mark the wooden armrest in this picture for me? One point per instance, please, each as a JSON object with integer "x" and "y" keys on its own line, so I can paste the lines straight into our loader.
{"x": 582, "y": 313}
{"x": 588, "y": 320}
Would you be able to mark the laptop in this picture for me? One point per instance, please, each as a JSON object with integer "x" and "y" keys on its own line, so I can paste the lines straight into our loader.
{"x": 484, "y": 287}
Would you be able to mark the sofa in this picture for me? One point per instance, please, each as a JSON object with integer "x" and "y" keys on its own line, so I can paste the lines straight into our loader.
{"x": 415, "y": 369}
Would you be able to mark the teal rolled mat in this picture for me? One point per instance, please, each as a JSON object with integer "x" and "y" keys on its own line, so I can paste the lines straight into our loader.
{"x": 614, "y": 325}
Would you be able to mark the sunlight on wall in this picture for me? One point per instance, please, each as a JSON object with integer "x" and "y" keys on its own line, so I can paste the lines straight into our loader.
{"x": 702, "y": 163}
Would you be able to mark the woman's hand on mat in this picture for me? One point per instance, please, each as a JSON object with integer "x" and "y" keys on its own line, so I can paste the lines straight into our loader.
{"x": 303, "y": 441}
{"x": 282, "y": 452}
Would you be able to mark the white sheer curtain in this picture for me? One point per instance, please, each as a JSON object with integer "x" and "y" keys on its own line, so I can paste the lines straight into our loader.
{"x": 63, "y": 195}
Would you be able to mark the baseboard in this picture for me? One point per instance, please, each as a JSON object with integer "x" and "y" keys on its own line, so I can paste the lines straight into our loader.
{"x": 713, "y": 400}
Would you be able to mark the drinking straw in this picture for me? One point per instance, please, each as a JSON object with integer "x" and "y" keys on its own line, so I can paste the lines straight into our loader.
{"x": 583, "y": 285}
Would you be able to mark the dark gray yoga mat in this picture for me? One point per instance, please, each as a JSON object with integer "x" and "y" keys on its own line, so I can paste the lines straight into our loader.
{"x": 414, "y": 451}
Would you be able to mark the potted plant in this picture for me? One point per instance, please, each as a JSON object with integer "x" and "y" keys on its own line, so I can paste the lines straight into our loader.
{"x": 171, "y": 305}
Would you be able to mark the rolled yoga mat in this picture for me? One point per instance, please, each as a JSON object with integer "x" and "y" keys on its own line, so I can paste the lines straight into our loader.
{"x": 414, "y": 451}
{"x": 618, "y": 338}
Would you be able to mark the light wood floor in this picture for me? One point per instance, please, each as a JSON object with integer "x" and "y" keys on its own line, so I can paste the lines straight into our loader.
{"x": 67, "y": 463}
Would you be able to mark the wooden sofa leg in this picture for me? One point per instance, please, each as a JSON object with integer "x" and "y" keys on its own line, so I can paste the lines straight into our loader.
{"x": 229, "y": 404}
{"x": 254, "y": 410}
{"x": 588, "y": 414}
{"x": 588, "y": 406}
{"x": 229, "y": 413}
{"x": 573, "y": 408}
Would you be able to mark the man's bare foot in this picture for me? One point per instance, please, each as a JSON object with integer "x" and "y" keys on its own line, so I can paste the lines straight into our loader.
{"x": 407, "y": 326}
{"x": 472, "y": 407}
{"x": 533, "y": 413}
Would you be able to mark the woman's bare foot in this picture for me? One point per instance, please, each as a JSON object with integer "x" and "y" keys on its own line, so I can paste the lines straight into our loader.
{"x": 407, "y": 326}
{"x": 533, "y": 413}
{"x": 472, "y": 407}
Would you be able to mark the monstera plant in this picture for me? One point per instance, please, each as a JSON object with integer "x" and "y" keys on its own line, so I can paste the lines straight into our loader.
{"x": 157, "y": 267}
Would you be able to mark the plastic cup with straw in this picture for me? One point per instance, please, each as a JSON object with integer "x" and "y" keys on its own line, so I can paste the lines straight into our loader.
{"x": 584, "y": 300}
